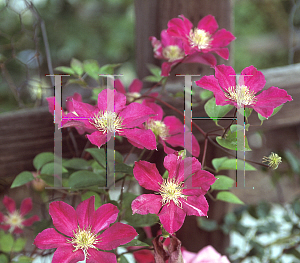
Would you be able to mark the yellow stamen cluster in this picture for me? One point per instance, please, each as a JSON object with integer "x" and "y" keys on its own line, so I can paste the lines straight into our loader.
{"x": 199, "y": 38}
{"x": 173, "y": 53}
{"x": 241, "y": 95}
{"x": 159, "y": 129}
{"x": 273, "y": 160}
{"x": 84, "y": 239}
{"x": 14, "y": 219}
{"x": 171, "y": 190}
{"x": 107, "y": 122}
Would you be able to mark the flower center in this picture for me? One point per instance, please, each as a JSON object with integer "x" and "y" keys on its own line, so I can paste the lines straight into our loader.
{"x": 106, "y": 121}
{"x": 173, "y": 53}
{"x": 199, "y": 38}
{"x": 14, "y": 220}
{"x": 273, "y": 160}
{"x": 84, "y": 239}
{"x": 159, "y": 129}
{"x": 241, "y": 95}
{"x": 171, "y": 190}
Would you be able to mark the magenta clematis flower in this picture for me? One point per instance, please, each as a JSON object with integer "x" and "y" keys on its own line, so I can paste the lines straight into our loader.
{"x": 169, "y": 130}
{"x": 79, "y": 235}
{"x": 227, "y": 91}
{"x": 15, "y": 220}
{"x": 133, "y": 91}
{"x": 205, "y": 255}
{"x": 172, "y": 201}
{"x": 122, "y": 121}
{"x": 204, "y": 38}
{"x": 171, "y": 48}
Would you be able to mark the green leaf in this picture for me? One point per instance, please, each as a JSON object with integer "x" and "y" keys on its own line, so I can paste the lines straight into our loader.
{"x": 66, "y": 70}
{"x": 228, "y": 197}
{"x": 217, "y": 162}
{"x": 19, "y": 244}
{"x": 224, "y": 163}
{"x": 49, "y": 168}
{"x": 88, "y": 194}
{"x": 77, "y": 164}
{"x": 77, "y": 66}
{"x": 122, "y": 259}
{"x": 154, "y": 79}
{"x": 49, "y": 179}
{"x": 24, "y": 259}
{"x": 237, "y": 127}
{"x": 99, "y": 155}
{"x": 222, "y": 183}
{"x": 214, "y": 111}
{"x": 91, "y": 67}
{"x": 77, "y": 81}
{"x": 136, "y": 220}
{"x": 155, "y": 70}
{"x": 123, "y": 168}
{"x": 206, "y": 94}
{"x": 3, "y": 258}
{"x": 22, "y": 179}
{"x": 135, "y": 242}
{"x": 274, "y": 112}
{"x": 234, "y": 141}
{"x": 6, "y": 242}
{"x": 293, "y": 161}
{"x": 207, "y": 224}
{"x": 42, "y": 158}
{"x": 84, "y": 179}
{"x": 108, "y": 69}
{"x": 245, "y": 111}
{"x": 118, "y": 157}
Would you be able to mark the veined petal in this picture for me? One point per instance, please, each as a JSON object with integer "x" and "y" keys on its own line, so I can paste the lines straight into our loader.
{"x": 226, "y": 76}
{"x": 195, "y": 205}
{"x": 50, "y": 238}
{"x": 101, "y": 257}
{"x": 104, "y": 216}
{"x": 135, "y": 86}
{"x": 158, "y": 111}
{"x": 146, "y": 204}
{"x": 51, "y": 102}
{"x": 209, "y": 24}
{"x": 140, "y": 138}
{"x": 222, "y": 38}
{"x": 9, "y": 203}
{"x": 85, "y": 212}
{"x": 119, "y": 86}
{"x": 65, "y": 254}
{"x": 26, "y": 206}
{"x": 166, "y": 68}
{"x": 64, "y": 217}
{"x": 172, "y": 163}
{"x": 167, "y": 149}
{"x": 135, "y": 114}
{"x": 211, "y": 83}
{"x": 179, "y": 27}
{"x": 203, "y": 58}
{"x": 30, "y": 221}
{"x": 99, "y": 138}
{"x": 222, "y": 52}
{"x": 255, "y": 81}
{"x": 269, "y": 99}
{"x": 174, "y": 125}
{"x": 147, "y": 175}
{"x": 116, "y": 235}
{"x": 171, "y": 217}
{"x": 117, "y": 99}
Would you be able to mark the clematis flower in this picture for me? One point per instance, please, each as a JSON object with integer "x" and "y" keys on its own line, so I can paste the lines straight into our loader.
{"x": 15, "y": 220}
{"x": 172, "y": 201}
{"x": 133, "y": 91}
{"x": 204, "y": 38}
{"x": 122, "y": 121}
{"x": 244, "y": 93}
{"x": 171, "y": 49}
{"x": 169, "y": 130}
{"x": 79, "y": 235}
{"x": 206, "y": 255}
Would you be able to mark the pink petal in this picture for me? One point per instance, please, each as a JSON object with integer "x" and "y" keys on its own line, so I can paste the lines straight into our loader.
{"x": 226, "y": 76}
{"x": 65, "y": 254}
{"x": 84, "y": 113}
{"x": 118, "y": 103}
{"x": 158, "y": 111}
{"x": 166, "y": 68}
{"x": 195, "y": 205}
{"x": 222, "y": 38}
{"x": 167, "y": 149}
{"x": 256, "y": 82}
{"x": 9, "y": 203}
{"x": 135, "y": 86}
{"x": 146, "y": 204}
{"x": 206, "y": 59}
{"x": 1, "y": 218}
{"x": 174, "y": 125}
{"x": 69, "y": 101}
{"x": 85, "y": 212}
{"x": 171, "y": 217}
{"x": 104, "y": 216}
{"x": 157, "y": 47}
{"x": 179, "y": 27}
{"x": 64, "y": 217}
{"x": 26, "y": 206}
{"x": 172, "y": 163}
{"x": 31, "y": 220}
{"x": 51, "y": 102}
{"x": 269, "y": 99}
{"x": 210, "y": 83}
{"x": 49, "y": 238}
{"x": 140, "y": 138}
{"x": 209, "y": 24}
{"x": 209, "y": 253}
{"x": 98, "y": 138}
{"x": 147, "y": 175}
{"x": 135, "y": 114}
{"x": 222, "y": 52}
{"x": 119, "y": 86}
{"x": 116, "y": 235}
{"x": 96, "y": 256}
